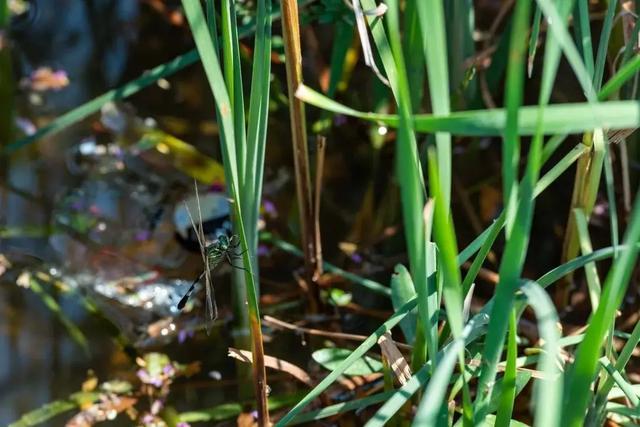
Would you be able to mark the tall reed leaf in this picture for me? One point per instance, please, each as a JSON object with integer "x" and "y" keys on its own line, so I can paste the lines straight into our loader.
{"x": 227, "y": 115}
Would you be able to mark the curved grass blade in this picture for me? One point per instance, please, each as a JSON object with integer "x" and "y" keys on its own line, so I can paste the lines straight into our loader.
{"x": 533, "y": 40}
{"x": 558, "y": 119}
{"x": 507, "y": 394}
{"x": 432, "y": 22}
{"x": 548, "y": 394}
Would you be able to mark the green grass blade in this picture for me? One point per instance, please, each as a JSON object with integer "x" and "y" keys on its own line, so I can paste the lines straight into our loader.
{"x": 383, "y": 46}
{"x": 460, "y": 28}
{"x": 366, "y": 345}
{"x": 591, "y": 273}
{"x": 582, "y": 28}
{"x": 611, "y": 196}
{"x": 445, "y": 240}
{"x": 556, "y": 19}
{"x": 584, "y": 368}
{"x": 513, "y": 259}
{"x": 258, "y": 118}
{"x": 413, "y": 43}
{"x": 433, "y": 397}
{"x": 601, "y": 59}
{"x": 409, "y": 171}
{"x": 402, "y": 291}
{"x": 626, "y": 72}
{"x": 548, "y": 395}
{"x": 533, "y": 40}
{"x": 233, "y": 78}
{"x": 514, "y": 95}
{"x": 558, "y": 119}
{"x": 340, "y": 408}
{"x": 557, "y": 273}
{"x": 224, "y": 110}
{"x": 508, "y": 392}
{"x": 74, "y": 332}
{"x": 615, "y": 375}
{"x": 603, "y": 394}
{"x": 432, "y": 23}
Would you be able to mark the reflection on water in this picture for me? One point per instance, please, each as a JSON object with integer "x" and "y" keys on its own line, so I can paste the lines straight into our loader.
{"x": 89, "y": 40}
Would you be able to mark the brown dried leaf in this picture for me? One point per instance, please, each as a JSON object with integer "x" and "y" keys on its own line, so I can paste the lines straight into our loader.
{"x": 274, "y": 363}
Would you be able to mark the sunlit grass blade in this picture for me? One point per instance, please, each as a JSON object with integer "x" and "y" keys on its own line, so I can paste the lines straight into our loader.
{"x": 433, "y": 400}
{"x": 603, "y": 45}
{"x": 556, "y": 18}
{"x": 412, "y": 43}
{"x": 533, "y": 40}
{"x": 549, "y": 391}
{"x": 591, "y": 273}
{"x": 584, "y": 369}
{"x": 258, "y": 118}
{"x": 513, "y": 101}
{"x": 507, "y": 394}
{"x": 582, "y": 29}
{"x": 432, "y": 22}
{"x": 232, "y": 69}
{"x": 602, "y": 396}
{"x": 611, "y": 196}
{"x": 514, "y": 253}
{"x": 412, "y": 189}
{"x": 445, "y": 239}
{"x": 625, "y": 386}
{"x": 558, "y": 119}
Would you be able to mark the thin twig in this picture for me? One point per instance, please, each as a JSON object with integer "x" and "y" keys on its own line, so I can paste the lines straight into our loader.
{"x": 276, "y": 323}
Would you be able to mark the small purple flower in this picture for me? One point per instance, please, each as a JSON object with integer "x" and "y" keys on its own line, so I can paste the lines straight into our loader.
{"x": 263, "y": 250}
{"x": 184, "y": 334}
{"x": 169, "y": 370}
{"x": 183, "y": 424}
{"x": 356, "y": 257}
{"x": 270, "y": 208}
{"x": 148, "y": 419}
{"x": 144, "y": 376}
{"x": 254, "y": 414}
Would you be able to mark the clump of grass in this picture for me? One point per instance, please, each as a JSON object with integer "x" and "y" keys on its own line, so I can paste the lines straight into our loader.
{"x": 243, "y": 146}
{"x": 562, "y": 397}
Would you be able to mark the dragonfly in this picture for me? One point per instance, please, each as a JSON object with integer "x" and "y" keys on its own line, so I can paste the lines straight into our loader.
{"x": 224, "y": 248}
